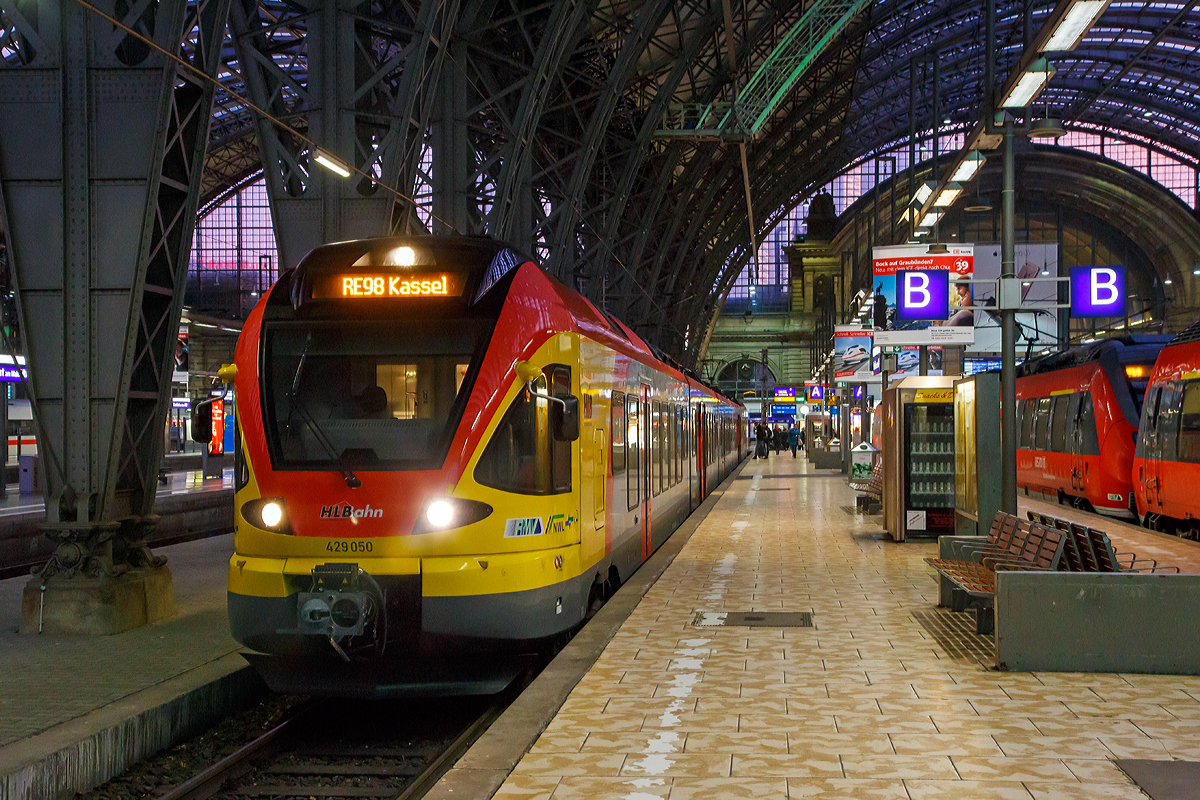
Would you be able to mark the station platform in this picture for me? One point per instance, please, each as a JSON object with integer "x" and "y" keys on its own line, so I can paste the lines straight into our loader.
{"x": 886, "y": 696}
{"x": 189, "y": 506}
{"x": 76, "y": 710}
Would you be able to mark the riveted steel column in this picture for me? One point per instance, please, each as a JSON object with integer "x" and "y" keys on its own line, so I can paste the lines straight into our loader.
{"x": 102, "y": 141}
{"x": 358, "y": 105}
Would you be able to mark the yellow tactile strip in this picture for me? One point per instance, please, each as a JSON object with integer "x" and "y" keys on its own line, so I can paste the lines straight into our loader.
{"x": 865, "y": 705}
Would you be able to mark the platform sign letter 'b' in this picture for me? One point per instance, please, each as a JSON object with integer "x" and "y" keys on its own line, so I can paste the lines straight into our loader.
{"x": 922, "y": 294}
{"x": 1098, "y": 291}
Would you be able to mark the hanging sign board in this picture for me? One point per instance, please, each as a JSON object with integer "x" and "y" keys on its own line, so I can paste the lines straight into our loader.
{"x": 917, "y": 301}
{"x": 1098, "y": 291}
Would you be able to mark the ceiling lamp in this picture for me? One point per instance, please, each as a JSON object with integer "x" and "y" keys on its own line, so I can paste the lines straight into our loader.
{"x": 938, "y": 249}
{"x": 970, "y": 164}
{"x": 1074, "y": 24}
{"x": 1046, "y": 128}
{"x": 924, "y": 191}
{"x": 1029, "y": 85}
{"x": 948, "y": 195}
{"x": 332, "y": 164}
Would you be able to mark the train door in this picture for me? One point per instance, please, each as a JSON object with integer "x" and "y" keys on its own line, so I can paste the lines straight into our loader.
{"x": 1075, "y": 442}
{"x": 599, "y": 477}
{"x": 1169, "y": 400}
{"x": 647, "y": 432}
{"x": 693, "y": 474}
{"x": 701, "y": 445}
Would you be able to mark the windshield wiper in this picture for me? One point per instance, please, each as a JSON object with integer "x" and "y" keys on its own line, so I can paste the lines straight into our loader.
{"x": 294, "y": 406}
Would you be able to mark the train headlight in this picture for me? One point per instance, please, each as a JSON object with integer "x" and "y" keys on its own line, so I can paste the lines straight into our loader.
{"x": 440, "y": 514}
{"x": 269, "y": 513}
{"x": 444, "y": 513}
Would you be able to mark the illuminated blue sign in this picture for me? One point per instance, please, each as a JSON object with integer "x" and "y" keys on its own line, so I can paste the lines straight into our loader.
{"x": 816, "y": 393}
{"x": 1098, "y": 291}
{"x": 10, "y": 373}
{"x": 922, "y": 294}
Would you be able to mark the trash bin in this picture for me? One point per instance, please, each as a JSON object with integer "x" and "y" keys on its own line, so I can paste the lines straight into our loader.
{"x": 30, "y": 480}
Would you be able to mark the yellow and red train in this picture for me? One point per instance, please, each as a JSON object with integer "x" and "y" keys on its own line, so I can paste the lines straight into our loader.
{"x": 441, "y": 446}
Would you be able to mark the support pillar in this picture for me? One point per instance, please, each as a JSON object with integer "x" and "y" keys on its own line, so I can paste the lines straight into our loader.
{"x": 102, "y": 142}
{"x": 1008, "y": 336}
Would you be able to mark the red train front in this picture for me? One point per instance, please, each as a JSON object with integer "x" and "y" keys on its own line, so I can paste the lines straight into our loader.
{"x": 1166, "y": 466}
{"x": 1077, "y": 423}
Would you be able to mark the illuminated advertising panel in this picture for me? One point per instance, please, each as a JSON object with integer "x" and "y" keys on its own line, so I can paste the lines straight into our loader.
{"x": 852, "y": 352}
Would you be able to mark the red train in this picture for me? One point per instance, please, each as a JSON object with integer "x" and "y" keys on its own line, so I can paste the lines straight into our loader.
{"x": 1077, "y": 422}
{"x": 1166, "y": 464}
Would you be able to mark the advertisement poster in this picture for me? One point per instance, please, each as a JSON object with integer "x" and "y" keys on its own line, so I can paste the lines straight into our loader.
{"x": 852, "y": 353}
{"x": 972, "y": 305}
{"x": 908, "y": 362}
{"x": 959, "y": 261}
{"x": 180, "y": 373}
{"x": 1038, "y": 325}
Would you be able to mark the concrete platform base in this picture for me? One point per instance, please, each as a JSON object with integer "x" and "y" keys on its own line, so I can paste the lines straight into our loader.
{"x": 97, "y": 606}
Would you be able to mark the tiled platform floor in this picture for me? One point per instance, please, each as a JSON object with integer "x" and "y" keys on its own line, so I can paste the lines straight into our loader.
{"x": 52, "y": 680}
{"x": 865, "y": 705}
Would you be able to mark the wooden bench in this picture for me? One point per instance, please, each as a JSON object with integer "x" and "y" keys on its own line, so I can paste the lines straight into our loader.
{"x": 871, "y": 494}
{"x": 1092, "y": 550}
{"x": 1012, "y": 544}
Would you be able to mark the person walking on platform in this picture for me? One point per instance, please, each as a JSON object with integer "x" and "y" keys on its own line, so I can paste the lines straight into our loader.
{"x": 794, "y": 439}
{"x": 760, "y": 434}
{"x": 780, "y": 439}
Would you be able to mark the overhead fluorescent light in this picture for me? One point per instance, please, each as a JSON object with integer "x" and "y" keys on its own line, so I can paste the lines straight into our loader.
{"x": 971, "y": 164}
{"x": 1075, "y": 23}
{"x": 332, "y": 164}
{"x": 948, "y": 195}
{"x": 924, "y": 191}
{"x": 1029, "y": 85}
{"x": 931, "y": 217}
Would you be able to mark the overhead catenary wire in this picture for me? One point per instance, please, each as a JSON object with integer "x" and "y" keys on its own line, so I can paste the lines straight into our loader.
{"x": 246, "y": 102}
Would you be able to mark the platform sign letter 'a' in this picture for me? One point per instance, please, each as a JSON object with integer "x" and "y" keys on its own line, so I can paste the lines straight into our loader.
{"x": 1098, "y": 291}
{"x": 922, "y": 294}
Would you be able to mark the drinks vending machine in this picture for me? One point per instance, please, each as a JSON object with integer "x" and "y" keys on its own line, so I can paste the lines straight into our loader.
{"x": 919, "y": 466}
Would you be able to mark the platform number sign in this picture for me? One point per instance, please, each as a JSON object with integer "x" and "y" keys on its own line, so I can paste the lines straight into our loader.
{"x": 922, "y": 294}
{"x": 1098, "y": 291}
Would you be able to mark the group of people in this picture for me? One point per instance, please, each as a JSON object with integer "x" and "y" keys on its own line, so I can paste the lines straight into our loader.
{"x": 779, "y": 438}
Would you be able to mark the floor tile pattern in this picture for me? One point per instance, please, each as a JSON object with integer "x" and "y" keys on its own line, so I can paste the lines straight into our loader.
{"x": 870, "y": 703}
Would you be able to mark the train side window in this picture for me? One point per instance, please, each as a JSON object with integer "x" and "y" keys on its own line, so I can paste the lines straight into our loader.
{"x": 562, "y": 452}
{"x": 617, "y": 434}
{"x": 1041, "y": 433}
{"x": 633, "y": 446}
{"x": 522, "y": 455}
{"x": 1168, "y": 420}
{"x": 1058, "y": 423}
{"x": 681, "y": 438}
{"x": 1026, "y": 422}
{"x": 1189, "y": 423}
{"x": 1089, "y": 443}
{"x": 1146, "y": 427}
{"x": 657, "y": 450}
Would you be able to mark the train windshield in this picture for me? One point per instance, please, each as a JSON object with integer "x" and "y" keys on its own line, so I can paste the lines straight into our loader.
{"x": 368, "y": 394}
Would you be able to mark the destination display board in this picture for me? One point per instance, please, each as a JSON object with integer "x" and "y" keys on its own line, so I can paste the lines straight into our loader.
{"x": 366, "y": 286}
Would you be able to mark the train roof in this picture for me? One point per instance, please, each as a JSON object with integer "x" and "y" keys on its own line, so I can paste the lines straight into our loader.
{"x": 484, "y": 262}
{"x": 1189, "y": 334}
{"x": 1126, "y": 348}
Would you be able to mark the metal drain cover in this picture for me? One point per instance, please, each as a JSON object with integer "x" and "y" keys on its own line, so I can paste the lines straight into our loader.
{"x": 753, "y": 619}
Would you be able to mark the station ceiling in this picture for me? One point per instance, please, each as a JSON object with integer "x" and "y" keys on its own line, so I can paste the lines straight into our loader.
{"x": 657, "y": 225}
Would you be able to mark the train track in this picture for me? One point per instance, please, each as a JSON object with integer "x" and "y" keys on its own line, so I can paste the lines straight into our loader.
{"x": 343, "y": 749}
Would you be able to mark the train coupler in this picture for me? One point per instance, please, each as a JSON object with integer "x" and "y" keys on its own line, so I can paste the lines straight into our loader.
{"x": 335, "y": 606}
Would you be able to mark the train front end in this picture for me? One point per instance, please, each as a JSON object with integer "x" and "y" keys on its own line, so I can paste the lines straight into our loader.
{"x": 371, "y": 382}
